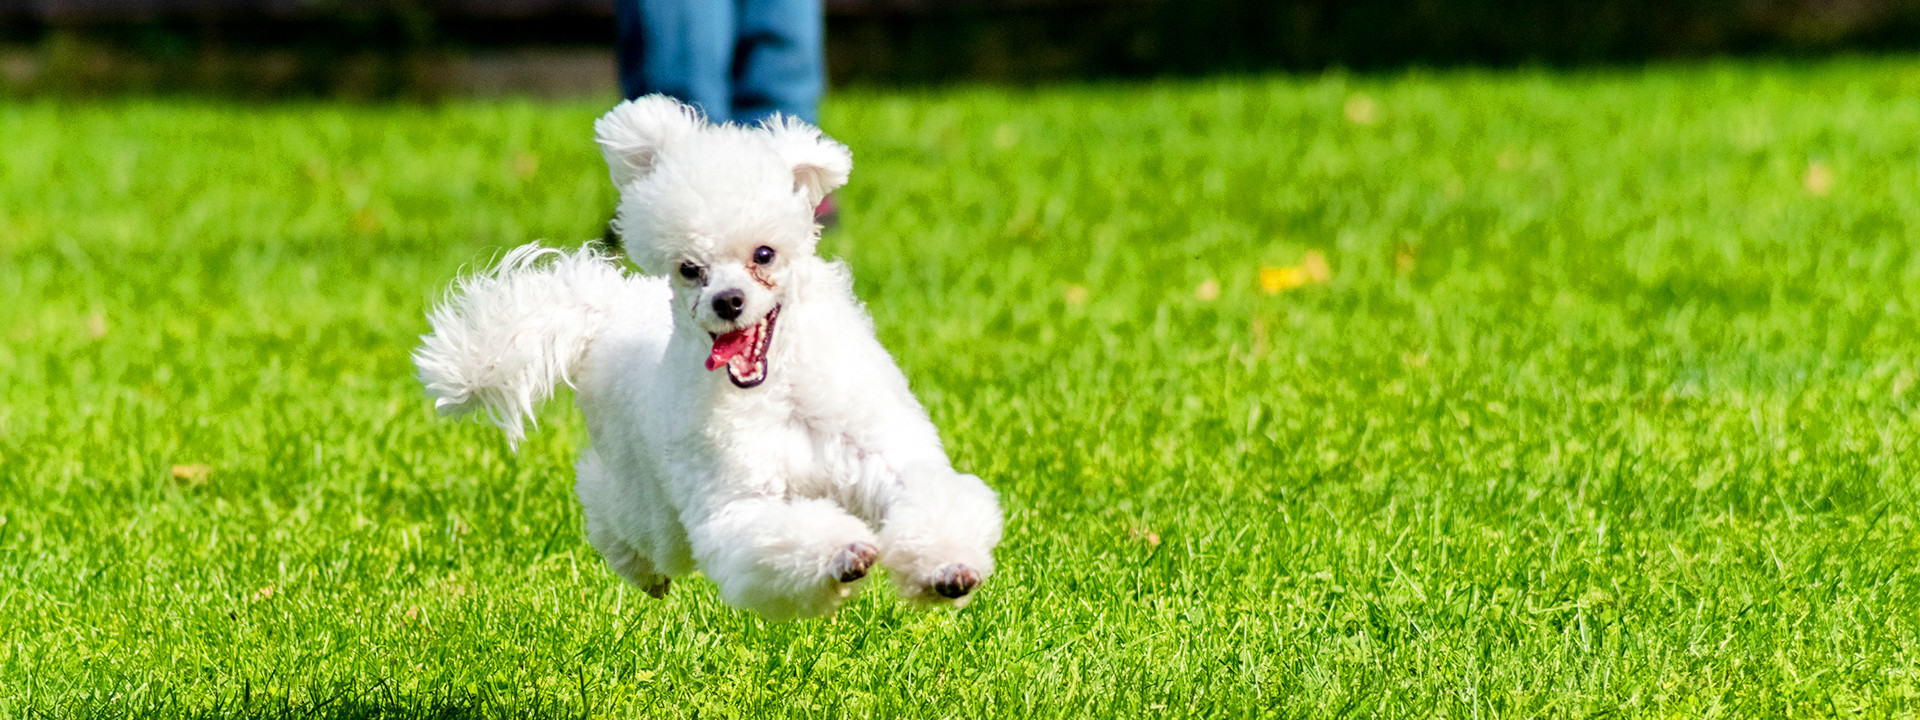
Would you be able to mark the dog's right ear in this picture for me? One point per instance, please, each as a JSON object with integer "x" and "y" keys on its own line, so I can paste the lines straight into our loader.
{"x": 633, "y": 132}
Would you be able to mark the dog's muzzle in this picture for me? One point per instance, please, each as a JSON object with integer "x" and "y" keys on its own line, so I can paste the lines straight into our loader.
{"x": 744, "y": 352}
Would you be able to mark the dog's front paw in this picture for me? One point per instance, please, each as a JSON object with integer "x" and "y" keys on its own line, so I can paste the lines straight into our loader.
{"x": 954, "y": 580}
{"x": 938, "y": 583}
{"x": 853, "y": 562}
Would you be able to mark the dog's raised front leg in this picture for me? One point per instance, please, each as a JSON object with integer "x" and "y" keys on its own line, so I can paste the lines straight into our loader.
{"x": 937, "y": 534}
{"x": 783, "y": 559}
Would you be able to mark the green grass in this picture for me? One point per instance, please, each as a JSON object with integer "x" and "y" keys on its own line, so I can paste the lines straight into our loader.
{"x": 1607, "y": 406}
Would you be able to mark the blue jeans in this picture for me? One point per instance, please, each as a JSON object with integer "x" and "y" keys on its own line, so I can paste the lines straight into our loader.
{"x": 738, "y": 60}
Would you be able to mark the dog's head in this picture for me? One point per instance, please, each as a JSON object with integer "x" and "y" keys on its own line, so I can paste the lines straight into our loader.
{"x": 723, "y": 211}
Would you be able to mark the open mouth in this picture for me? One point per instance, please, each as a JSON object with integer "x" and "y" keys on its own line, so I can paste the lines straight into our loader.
{"x": 744, "y": 351}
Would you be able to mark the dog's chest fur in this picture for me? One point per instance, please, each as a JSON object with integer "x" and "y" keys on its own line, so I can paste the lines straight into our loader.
{"x": 777, "y": 437}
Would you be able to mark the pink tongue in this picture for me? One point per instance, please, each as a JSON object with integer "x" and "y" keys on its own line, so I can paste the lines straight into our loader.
{"x": 727, "y": 347}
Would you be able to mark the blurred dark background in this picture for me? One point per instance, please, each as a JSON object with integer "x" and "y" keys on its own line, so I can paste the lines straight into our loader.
{"x": 383, "y": 48}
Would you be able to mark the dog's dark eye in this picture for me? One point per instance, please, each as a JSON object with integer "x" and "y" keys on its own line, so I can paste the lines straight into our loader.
{"x": 764, "y": 255}
{"x": 690, "y": 271}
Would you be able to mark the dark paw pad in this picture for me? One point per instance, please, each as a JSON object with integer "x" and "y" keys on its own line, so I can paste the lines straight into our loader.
{"x": 657, "y": 589}
{"x": 853, "y": 562}
{"x": 955, "y": 581}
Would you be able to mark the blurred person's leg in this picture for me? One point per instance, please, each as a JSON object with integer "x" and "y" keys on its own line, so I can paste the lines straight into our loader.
{"x": 780, "y": 62}
{"x": 682, "y": 48}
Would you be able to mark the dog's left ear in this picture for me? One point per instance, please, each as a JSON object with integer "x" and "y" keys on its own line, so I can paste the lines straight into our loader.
{"x": 819, "y": 164}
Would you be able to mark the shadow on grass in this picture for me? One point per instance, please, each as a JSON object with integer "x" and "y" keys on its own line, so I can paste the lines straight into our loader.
{"x": 357, "y": 703}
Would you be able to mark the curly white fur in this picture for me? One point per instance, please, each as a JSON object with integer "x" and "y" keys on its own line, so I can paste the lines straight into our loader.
{"x": 502, "y": 339}
{"x": 784, "y": 487}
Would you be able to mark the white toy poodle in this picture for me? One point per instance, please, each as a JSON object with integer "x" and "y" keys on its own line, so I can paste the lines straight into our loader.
{"x": 745, "y": 421}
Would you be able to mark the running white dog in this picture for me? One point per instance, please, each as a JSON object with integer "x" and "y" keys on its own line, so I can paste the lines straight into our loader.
{"x": 785, "y": 477}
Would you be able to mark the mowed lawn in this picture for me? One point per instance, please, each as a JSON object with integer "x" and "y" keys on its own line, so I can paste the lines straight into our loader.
{"x": 1438, "y": 393}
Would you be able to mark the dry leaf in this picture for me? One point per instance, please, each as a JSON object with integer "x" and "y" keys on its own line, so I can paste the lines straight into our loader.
{"x": 1361, "y": 110}
{"x": 1151, "y": 538}
{"x": 525, "y": 165}
{"x": 1819, "y": 179}
{"x": 1208, "y": 291}
{"x": 97, "y": 325}
{"x": 263, "y": 593}
{"x": 195, "y": 474}
{"x": 1075, "y": 294}
{"x": 1315, "y": 263}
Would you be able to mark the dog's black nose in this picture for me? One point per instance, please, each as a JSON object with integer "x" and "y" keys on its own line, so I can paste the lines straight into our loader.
{"x": 728, "y": 303}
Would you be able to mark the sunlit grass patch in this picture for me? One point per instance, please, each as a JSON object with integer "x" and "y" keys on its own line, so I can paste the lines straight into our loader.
{"x": 1510, "y": 394}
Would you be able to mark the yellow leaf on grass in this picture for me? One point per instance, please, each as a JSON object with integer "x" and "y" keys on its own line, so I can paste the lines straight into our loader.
{"x": 1276, "y": 279}
{"x": 1312, "y": 270}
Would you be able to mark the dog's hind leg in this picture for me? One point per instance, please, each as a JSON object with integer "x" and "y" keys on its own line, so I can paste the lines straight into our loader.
{"x": 627, "y": 562}
{"x": 599, "y": 501}
{"x": 783, "y": 559}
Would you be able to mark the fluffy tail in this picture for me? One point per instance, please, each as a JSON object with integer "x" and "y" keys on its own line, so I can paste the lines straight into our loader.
{"x": 503, "y": 338}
